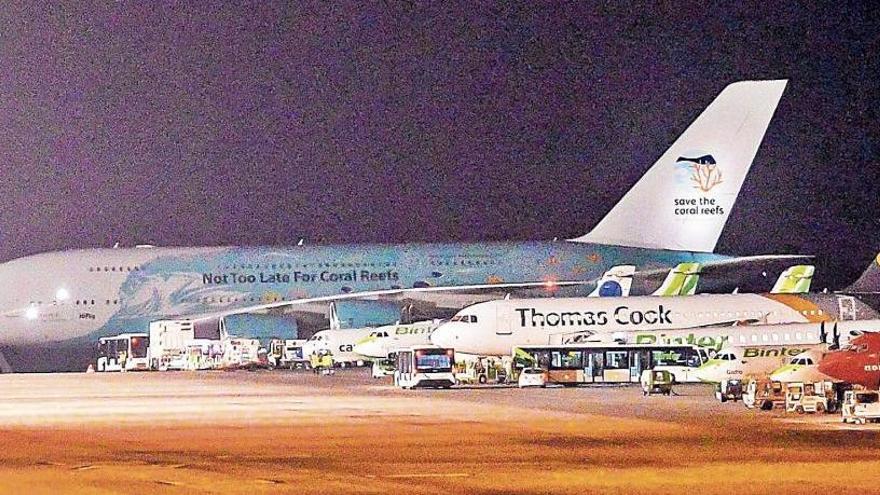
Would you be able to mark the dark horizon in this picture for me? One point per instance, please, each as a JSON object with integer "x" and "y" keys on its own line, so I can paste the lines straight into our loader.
{"x": 258, "y": 124}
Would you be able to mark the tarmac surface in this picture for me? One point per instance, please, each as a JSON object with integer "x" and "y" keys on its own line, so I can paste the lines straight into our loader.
{"x": 295, "y": 432}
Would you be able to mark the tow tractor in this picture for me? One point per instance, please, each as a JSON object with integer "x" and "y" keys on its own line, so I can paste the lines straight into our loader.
{"x": 860, "y": 406}
{"x": 383, "y": 367}
{"x": 656, "y": 382}
{"x": 801, "y": 398}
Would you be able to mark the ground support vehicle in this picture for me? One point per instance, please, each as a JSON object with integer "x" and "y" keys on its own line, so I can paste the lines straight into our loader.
{"x": 124, "y": 352}
{"x": 425, "y": 366}
{"x": 382, "y": 368}
{"x": 729, "y": 389}
{"x": 532, "y": 377}
{"x": 764, "y": 394}
{"x": 816, "y": 397}
{"x": 860, "y": 406}
{"x": 168, "y": 341}
{"x": 321, "y": 362}
{"x": 656, "y": 382}
{"x": 575, "y": 364}
{"x": 243, "y": 353}
{"x": 286, "y": 354}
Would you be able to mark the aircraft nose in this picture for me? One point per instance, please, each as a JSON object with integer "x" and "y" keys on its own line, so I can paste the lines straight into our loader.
{"x": 835, "y": 367}
{"x": 782, "y": 374}
{"x": 368, "y": 349}
{"x": 444, "y": 336}
{"x": 708, "y": 372}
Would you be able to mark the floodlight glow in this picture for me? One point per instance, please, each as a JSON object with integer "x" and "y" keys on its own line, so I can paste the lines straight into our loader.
{"x": 31, "y": 313}
{"x": 62, "y": 294}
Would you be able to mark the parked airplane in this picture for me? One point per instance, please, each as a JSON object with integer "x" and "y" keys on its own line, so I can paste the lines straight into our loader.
{"x": 857, "y": 363}
{"x": 766, "y": 357}
{"x": 795, "y": 280}
{"x": 495, "y": 327}
{"x": 681, "y": 281}
{"x": 340, "y": 343}
{"x": 674, "y": 214}
{"x": 383, "y": 340}
{"x": 803, "y": 368}
{"x": 616, "y": 282}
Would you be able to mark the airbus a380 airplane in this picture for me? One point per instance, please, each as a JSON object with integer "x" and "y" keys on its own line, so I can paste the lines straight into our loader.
{"x": 675, "y": 213}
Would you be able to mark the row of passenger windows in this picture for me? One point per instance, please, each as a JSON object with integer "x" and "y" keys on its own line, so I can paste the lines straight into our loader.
{"x": 114, "y": 268}
{"x": 744, "y": 314}
{"x": 463, "y": 262}
{"x": 291, "y": 266}
{"x": 465, "y": 318}
{"x": 240, "y": 299}
{"x": 80, "y": 302}
{"x": 87, "y": 302}
{"x": 764, "y": 338}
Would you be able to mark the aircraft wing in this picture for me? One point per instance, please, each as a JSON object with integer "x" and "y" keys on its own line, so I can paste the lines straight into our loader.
{"x": 449, "y": 297}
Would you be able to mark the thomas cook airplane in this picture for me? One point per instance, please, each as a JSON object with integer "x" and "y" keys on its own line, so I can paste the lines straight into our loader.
{"x": 674, "y": 214}
{"x": 494, "y": 327}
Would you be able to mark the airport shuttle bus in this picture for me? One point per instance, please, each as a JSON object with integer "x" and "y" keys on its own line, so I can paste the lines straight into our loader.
{"x": 124, "y": 352}
{"x": 575, "y": 364}
{"x": 425, "y": 366}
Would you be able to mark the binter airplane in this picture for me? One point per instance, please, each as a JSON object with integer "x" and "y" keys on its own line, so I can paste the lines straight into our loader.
{"x": 674, "y": 214}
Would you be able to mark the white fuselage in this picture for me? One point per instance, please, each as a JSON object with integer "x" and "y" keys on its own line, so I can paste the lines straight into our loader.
{"x": 340, "y": 343}
{"x": 386, "y": 339}
{"x": 65, "y": 295}
{"x": 495, "y": 327}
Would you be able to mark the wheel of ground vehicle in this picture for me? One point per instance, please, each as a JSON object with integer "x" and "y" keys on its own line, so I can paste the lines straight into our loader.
{"x": 482, "y": 379}
{"x": 799, "y": 409}
{"x": 722, "y": 397}
{"x": 820, "y": 408}
{"x": 766, "y": 405}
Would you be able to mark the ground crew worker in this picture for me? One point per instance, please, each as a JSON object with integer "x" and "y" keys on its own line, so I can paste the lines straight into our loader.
{"x": 122, "y": 358}
{"x": 327, "y": 362}
{"x": 313, "y": 361}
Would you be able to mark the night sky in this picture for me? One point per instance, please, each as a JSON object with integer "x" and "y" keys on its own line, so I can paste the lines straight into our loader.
{"x": 187, "y": 124}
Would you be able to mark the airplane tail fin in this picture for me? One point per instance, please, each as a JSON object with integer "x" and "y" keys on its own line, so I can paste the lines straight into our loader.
{"x": 685, "y": 198}
{"x": 681, "y": 281}
{"x": 794, "y": 280}
{"x": 869, "y": 282}
{"x": 333, "y": 316}
{"x": 616, "y": 282}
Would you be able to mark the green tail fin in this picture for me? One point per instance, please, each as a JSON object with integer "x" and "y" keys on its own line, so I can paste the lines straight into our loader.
{"x": 794, "y": 280}
{"x": 681, "y": 281}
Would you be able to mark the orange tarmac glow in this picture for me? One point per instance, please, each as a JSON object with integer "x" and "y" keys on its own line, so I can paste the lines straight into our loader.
{"x": 299, "y": 433}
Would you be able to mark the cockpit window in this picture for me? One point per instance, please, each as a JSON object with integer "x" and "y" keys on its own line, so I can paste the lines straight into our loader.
{"x": 464, "y": 318}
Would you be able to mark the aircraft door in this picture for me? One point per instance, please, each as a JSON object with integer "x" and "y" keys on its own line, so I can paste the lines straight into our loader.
{"x": 503, "y": 322}
{"x": 847, "y": 307}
